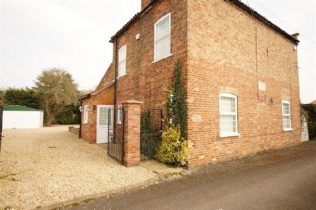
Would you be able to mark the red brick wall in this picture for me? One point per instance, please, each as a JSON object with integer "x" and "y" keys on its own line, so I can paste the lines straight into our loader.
{"x": 132, "y": 134}
{"x": 222, "y": 49}
{"x": 147, "y": 81}
{"x": 145, "y": 3}
{"x": 108, "y": 76}
{"x": 106, "y": 97}
{"x": 222, "y": 57}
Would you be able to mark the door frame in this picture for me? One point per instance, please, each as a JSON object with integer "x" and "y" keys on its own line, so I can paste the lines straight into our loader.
{"x": 97, "y": 121}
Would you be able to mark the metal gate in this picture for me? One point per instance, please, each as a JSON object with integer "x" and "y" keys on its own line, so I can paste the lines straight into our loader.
{"x": 115, "y": 148}
{"x": 1, "y": 120}
{"x": 151, "y": 130}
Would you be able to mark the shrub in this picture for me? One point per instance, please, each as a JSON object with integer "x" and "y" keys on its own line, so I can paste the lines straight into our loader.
{"x": 310, "y": 109}
{"x": 68, "y": 116}
{"x": 172, "y": 149}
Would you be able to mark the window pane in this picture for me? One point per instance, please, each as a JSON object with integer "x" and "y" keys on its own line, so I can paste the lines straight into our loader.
{"x": 228, "y": 124}
{"x": 103, "y": 118}
{"x": 287, "y": 122}
{"x": 122, "y": 69}
{"x": 122, "y": 54}
{"x": 228, "y": 104}
{"x": 85, "y": 113}
{"x": 286, "y": 108}
{"x": 162, "y": 48}
{"x": 122, "y": 61}
{"x": 162, "y": 28}
{"x": 162, "y": 38}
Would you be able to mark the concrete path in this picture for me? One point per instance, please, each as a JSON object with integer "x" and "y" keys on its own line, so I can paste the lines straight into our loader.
{"x": 279, "y": 180}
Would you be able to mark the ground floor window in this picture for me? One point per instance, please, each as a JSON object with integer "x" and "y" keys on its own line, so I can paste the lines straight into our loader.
{"x": 228, "y": 115}
{"x": 286, "y": 115}
{"x": 85, "y": 114}
{"x": 120, "y": 114}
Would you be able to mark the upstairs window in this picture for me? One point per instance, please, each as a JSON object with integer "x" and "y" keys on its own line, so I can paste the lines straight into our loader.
{"x": 122, "y": 61}
{"x": 286, "y": 115}
{"x": 162, "y": 38}
{"x": 228, "y": 115}
{"x": 85, "y": 114}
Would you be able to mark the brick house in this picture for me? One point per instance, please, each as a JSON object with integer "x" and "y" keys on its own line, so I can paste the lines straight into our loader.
{"x": 239, "y": 69}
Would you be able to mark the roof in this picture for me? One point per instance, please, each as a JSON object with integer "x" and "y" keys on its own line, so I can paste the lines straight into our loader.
{"x": 96, "y": 92}
{"x": 19, "y": 108}
{"x": 237, "y": 3}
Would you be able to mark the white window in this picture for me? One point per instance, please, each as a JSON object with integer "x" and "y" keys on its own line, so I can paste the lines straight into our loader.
{"x": 85, "y": 114}
{"x": 122, "y": 61}
{"x": 228, "y": 115}
{"x": 286, "y": 114}
{"x": 120, "y": 114}
{"x": 162, "y": 46}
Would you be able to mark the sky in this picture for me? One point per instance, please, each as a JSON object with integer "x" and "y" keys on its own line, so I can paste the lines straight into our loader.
{"x": 74, "y": 35}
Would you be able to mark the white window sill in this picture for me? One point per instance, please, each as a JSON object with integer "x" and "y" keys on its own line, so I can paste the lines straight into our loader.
{"x": 159, "y": 59}
{"x": 229, "y": 135}
{"x": 287, "y": 129}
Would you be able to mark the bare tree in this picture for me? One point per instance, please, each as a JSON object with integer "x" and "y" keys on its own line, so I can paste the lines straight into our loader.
{"x": 56, "y": 89}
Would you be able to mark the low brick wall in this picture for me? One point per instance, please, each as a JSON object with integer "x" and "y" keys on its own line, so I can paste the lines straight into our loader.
{"x": 74, "y": 130}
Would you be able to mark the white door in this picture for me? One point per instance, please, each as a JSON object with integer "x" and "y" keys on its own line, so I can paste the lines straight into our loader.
{"x": 104, "y": 113}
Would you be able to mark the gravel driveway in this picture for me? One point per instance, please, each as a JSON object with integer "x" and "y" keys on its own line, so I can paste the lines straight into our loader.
{"x": 40, "y": 167}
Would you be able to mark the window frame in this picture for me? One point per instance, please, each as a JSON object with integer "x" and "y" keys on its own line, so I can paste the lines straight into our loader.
{"x": 119, "y": 114}
{"x": 155, "y": 37}
{"x": 235, "y": 97}
{"x": 85, "y": 114}
{"x": 119, "y": 61}
{"x": 286, "y": 115}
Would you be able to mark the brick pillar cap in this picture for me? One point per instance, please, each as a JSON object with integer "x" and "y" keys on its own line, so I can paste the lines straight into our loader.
{"x": 132, "y": 102}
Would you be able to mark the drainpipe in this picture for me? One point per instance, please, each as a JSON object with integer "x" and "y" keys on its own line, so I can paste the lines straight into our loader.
{"x": 115, "y": 88}
{"x": 80, "y": 100}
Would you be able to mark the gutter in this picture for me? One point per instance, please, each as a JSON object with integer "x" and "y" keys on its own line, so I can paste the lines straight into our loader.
{"x": 264, "y": 20}
{"x": 237, "y": 3}
{"x": 131, "y": 21}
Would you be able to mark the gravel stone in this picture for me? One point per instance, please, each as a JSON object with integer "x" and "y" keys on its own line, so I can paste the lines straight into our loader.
{"x": 40, "y": 167}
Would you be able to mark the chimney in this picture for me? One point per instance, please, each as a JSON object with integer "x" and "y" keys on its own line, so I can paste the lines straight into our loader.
{"x": 296, "y": 35}
{"x": 145, "y": 3}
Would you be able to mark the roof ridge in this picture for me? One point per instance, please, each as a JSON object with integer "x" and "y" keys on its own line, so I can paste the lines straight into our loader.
{"x": 238, "y": 3}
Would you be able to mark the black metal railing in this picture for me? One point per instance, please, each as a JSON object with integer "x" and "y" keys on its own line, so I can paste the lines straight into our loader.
{"x": 151, "y": 130}
{"x": 115, "y": 147}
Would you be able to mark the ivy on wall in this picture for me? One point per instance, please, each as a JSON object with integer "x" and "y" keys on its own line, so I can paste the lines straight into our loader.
{"x": 177, "y": 110}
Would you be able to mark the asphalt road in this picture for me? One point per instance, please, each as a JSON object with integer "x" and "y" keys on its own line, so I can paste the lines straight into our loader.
{"x": 254, "y": 184}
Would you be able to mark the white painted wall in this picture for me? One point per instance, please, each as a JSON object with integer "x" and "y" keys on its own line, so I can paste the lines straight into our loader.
{"x": 22, "y": 119}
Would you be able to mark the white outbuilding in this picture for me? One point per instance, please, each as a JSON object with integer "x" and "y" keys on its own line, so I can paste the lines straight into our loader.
{"x": 15, "y": 116}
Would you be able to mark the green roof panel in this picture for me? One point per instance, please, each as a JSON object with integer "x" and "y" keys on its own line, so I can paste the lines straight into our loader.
{"x": 18, "y": 108}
